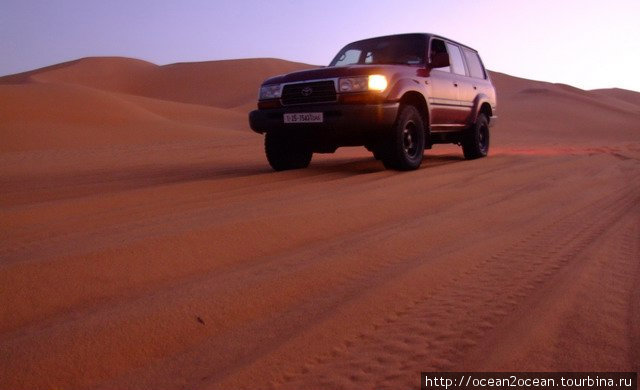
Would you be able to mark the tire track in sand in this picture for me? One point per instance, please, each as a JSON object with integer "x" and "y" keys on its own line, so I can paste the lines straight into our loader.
{"x": 435, "y": 331}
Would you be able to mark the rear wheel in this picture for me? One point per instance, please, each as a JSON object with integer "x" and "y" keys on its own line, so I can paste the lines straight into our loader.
{"x": 475, "y": 143}
{"x": 286, "y": 152}
{"x": 405, "y": 147}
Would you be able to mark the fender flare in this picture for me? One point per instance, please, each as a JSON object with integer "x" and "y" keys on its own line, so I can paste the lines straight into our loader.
{"x": 477, "y": 107}
{"x": 403, "y": 86}
{"x": 408, "y": 85}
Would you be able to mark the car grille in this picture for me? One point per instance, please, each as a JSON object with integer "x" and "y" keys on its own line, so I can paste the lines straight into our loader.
{"x": 313, "y": 92}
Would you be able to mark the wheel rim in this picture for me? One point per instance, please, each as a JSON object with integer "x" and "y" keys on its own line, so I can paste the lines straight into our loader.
{"x": 483, "y": 138}
{"x": 410, "y": 139}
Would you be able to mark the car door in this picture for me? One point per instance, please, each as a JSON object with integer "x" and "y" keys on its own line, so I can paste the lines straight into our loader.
{"x": 466, "y": 94}
{"x": 443, "y": 93}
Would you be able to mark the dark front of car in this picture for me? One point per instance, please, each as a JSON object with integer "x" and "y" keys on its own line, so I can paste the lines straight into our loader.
{"x": 344, "y": 104}
{"x": 346, "y": 118}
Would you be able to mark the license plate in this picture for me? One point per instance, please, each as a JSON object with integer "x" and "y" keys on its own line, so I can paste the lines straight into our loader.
{"x": 304, "y": 117}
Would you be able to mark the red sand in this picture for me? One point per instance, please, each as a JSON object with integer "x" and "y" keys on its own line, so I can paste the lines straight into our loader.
{"x": 145, "y": 242}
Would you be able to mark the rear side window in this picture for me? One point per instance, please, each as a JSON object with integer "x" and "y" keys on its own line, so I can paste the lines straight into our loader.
{"x": 475, "y": 66}
{"x": 455, "y": 57}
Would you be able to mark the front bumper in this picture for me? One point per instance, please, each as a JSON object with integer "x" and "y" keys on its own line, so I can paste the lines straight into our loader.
{"x": 343, "y": 124}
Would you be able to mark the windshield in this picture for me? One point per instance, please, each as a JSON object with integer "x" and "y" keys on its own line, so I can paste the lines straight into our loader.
{"x": 398, "y": 49}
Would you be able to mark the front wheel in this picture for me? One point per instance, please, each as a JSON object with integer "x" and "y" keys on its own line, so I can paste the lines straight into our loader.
{"x": 475, "y": 143}
{"x": 405, "y": 147}
{"x": 286, "y": 152}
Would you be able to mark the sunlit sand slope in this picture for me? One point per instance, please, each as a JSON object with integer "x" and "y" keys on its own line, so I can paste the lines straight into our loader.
{"x": 145, "y": 243}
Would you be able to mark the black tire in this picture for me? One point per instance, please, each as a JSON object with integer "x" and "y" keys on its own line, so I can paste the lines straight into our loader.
{"x": 475, "y": 143}
{"x": 286, "y": 152}
{"x": 404, "y": 148}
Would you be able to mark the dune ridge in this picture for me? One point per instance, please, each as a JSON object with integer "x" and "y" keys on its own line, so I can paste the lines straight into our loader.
{"x": 195, "y": 83}
{"x": 189, "y": 97}
{"x": 145, "y": 242}
{"x": 177, "y": 99}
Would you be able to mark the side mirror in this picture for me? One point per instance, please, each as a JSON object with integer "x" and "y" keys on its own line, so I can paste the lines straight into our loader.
{"x": 439, "y": 60}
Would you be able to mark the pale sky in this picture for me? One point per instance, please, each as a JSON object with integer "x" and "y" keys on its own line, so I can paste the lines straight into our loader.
{"x": 585, "y": 43}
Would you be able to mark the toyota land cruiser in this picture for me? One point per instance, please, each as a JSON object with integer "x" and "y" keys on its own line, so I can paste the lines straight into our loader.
{"x": 396, "y": 95}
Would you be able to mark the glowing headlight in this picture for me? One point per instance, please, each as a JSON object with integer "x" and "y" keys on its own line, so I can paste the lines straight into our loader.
{"x": 375, "y": 82}
{"x": 271, "y": 91}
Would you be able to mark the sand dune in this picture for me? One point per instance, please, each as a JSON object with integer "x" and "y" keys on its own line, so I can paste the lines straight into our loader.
{"x": 145, "y": 243}
{"x": 620, "y": 94}
{"x": 119, "y": 94}
{"x": 196, "y": 83}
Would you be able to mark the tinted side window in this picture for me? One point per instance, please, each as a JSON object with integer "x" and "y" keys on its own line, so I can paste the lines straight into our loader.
{"x": 473, "y": 62}
{"x": 455, "y": 57}
{"x": 437, "y": 46}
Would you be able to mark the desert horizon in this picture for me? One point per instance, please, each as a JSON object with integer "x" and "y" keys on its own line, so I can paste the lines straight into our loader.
{"x": 146, "y": 243}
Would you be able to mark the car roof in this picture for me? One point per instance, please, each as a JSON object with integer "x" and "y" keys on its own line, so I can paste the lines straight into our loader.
{"x": 426, "y": 35}
{"x": 452, "y": 41}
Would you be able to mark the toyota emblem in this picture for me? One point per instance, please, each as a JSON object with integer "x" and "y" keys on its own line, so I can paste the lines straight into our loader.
{"x": 306, "y": 91}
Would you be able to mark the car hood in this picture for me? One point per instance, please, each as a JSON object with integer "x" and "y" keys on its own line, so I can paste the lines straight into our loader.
{"x": 333, "y": 71}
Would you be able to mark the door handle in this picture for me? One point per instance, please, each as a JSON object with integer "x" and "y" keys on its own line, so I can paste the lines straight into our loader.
{"x": 455, "y": 84}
